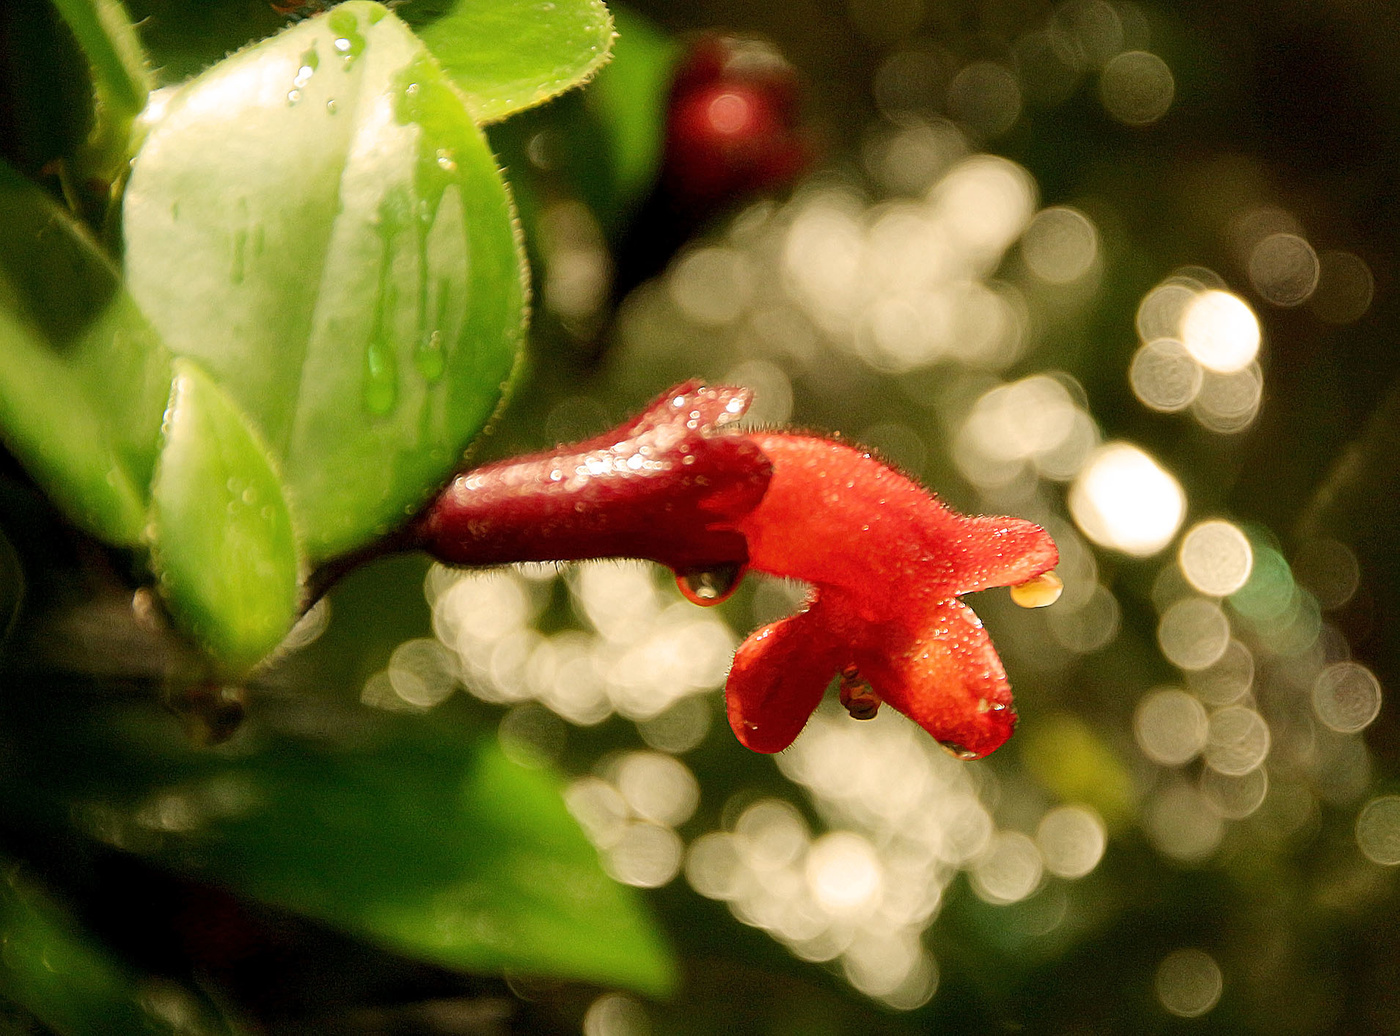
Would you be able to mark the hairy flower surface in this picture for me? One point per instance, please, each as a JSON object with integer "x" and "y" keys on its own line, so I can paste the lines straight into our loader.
{"x": 886, "y": 562}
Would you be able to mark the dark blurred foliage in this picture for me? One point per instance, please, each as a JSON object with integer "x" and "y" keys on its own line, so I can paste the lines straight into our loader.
{"x": 1288, "y": 109}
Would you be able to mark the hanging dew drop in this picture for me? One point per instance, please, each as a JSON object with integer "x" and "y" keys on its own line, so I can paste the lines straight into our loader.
{"x": 708, "y": 585}
{"x": 957, "y": 751}
{"x": 857, "y": 696}
{"x": 1040, "y": 592}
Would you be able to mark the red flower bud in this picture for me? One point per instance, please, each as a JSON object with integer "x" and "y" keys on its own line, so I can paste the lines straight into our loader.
{"x": 732, "y": 127}
{"x": 885, "y": 560}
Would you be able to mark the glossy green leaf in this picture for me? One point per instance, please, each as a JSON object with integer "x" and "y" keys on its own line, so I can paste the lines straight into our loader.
{"x": 319, "y": 222}
{"x": 222, "y": 542}
{"x": 408, "y": 831}
{"x": 83, "y": 378}
{"x": 508, "y": 55}
{"x": 76, "y": 986}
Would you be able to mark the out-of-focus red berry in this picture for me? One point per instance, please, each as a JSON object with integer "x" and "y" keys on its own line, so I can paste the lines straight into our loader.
{"x": 732, "y": 127}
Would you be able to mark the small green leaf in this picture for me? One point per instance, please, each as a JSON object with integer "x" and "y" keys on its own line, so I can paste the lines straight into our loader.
{"x": 221, "y": 536}
{"x": 120, "y": 80}
{"x": 74, "y": 985}
{"x": 318, "y": 220}
{"x": 508, "y": 55}
{"x": 104, "y": 31}
{"x": 411, "y": 832}
{"x": 83, "y": 378}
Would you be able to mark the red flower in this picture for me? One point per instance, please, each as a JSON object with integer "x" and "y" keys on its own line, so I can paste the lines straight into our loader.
{"x": 885, "y": 560}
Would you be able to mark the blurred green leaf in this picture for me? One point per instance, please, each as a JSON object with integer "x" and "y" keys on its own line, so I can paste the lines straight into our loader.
{"x": 318, "y": 221}
{"x": 629, "y": 100}
{"x": 409, "y": 831}
{"x": 75, "y": 985}
{"x": 602, "y": 145}
{"x": 83, "y": 378}
{"x": 224, "y": 551}
{"x": 508, "y": 55}
{"x": 120, "y": 78}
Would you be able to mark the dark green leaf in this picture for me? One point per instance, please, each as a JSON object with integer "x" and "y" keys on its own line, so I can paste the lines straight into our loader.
{"x": 318, "y": 221}
{"x": 76, "y": 986}
{"x": 222, "y": 538}
{"x": 508, "y": 55}
{"x": 83, "y": 378}
{"x": 408, "y": 831}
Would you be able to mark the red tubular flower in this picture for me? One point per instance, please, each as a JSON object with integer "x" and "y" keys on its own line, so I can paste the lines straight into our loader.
{"x": 885, "y": 560}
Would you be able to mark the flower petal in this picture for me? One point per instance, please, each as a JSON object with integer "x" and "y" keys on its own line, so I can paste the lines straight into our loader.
{"x": 779, "y": 676}
{"x": 947, "y": 678}
{"x": 1002, "y": 552}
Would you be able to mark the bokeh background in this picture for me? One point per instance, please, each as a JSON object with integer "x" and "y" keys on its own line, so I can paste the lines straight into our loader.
{"x": 1125, "y": 269}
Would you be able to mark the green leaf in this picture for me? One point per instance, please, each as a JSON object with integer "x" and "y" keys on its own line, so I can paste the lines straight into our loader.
{"x": 629, "y": 100}
{"x": 120, "y": 81}
{"x": 508, "y": 55}
{"x": 83, "y": 378}
{"x": 74, "y": 985}
{"x": 318, "y": 221}
{"x": 223, "y": 547}
{"x": 105, "y": 33}
{"x": 410, "y": 832}
{"x": 602, "y": 145}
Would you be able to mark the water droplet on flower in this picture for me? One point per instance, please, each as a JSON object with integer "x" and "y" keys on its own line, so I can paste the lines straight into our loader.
{"x": 708, "y": 585}
{"x": 1043, "y": 590}
{"x": 958, "y": 751}
{"x": 857, "y": 696}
